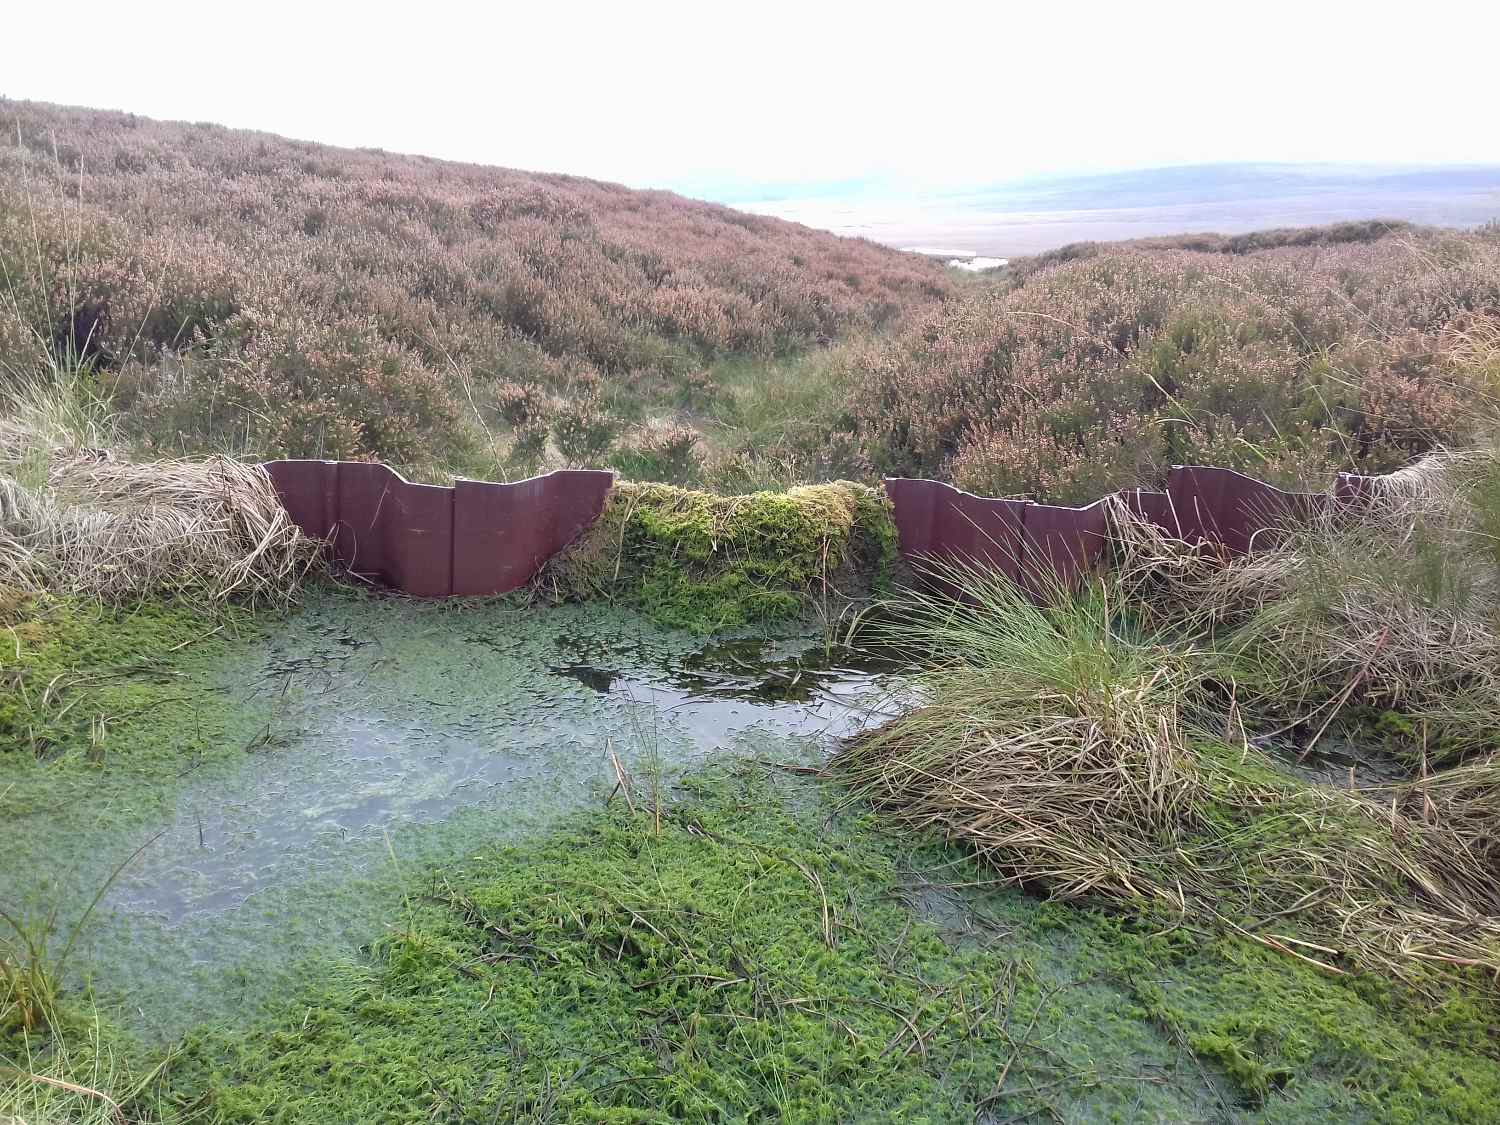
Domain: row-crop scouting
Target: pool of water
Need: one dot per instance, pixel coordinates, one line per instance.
(383, 735)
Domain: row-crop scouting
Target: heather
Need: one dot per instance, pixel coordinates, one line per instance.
(1096, 367)
(238, 292)
(234, 292)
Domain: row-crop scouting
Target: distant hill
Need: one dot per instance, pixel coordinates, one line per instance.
(1044, 213)
(284, 297)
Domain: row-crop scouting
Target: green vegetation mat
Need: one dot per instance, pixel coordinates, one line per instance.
(703, 562)
(70, 670)
(753, 955)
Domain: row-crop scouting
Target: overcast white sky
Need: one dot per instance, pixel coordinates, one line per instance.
(694, 95)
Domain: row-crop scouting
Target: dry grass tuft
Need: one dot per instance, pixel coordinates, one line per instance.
(1393, 605)
(1084, 749)
(1052, 744)
(114, 530)
(76, 520)
(1466, 799)
(77, 1080)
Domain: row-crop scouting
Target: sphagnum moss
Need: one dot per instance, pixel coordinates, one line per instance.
(756, 956)
(72, 669)
(703, 562)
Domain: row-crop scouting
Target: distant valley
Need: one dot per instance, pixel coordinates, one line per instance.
(1034, 215)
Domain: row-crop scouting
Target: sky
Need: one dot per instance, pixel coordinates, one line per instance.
(719, 99)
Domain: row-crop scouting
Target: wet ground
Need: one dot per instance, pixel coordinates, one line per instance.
(365, 740)
(383, 735)
(1337, 761)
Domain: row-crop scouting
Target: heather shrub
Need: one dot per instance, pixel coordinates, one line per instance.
(519, 404)
(749, 465)
(698, 390)
(361, 294)
(240, 292)
(1076, 469)
(294, 391)
(1099, 367)
(662, 451)
(528, 448)
(582, 430)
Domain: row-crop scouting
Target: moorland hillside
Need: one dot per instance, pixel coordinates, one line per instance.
(220, 290)
(239, 290)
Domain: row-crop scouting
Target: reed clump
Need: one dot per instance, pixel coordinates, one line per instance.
(1142, 740)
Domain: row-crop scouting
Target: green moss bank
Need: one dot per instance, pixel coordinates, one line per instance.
(703, 562)
(748, 953)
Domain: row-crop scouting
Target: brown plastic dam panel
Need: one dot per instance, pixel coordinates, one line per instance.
(1038, 545)
(1042, 545)
(1153, 507)
(503, 533)
(359, 535)
(418, 526)
(1063, 544)
(307, 492)
(1223, 507)
(477, 538)
(434, 541)
(1353, 488)
(937, 521)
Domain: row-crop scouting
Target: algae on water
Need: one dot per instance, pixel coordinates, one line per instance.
(285, 769)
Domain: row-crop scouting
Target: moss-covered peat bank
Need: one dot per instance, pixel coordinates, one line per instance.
(704, 562)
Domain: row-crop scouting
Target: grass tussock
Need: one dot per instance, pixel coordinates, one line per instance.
(1051, 742)
(75, 1080)
(701, 561)
(114, 530)
(75, 520)
(1141, 741)
(1391, 610)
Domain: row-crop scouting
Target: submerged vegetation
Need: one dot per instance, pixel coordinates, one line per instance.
(72, 668)
(747, 955)
(91, 711)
